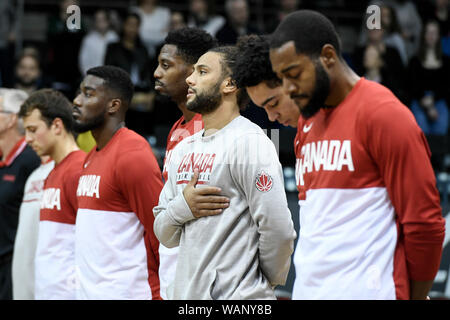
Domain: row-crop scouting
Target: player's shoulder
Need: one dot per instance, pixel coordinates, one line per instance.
(384, 111)
(72, 165)
(247, 133)
(131, 141)
(241, 126)
(374, 95)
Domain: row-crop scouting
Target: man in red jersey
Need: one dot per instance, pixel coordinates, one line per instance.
(371, 225)
(176, 61)
(116, 249)
(180, 52)
(47, 117)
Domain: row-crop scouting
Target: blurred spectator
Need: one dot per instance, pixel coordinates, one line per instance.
(410, 24)
(93, 46)
(384, 64)
(201, 16)
(429, 75)
(285, 7)
(28, 73)
(392, 32)
(131, 55)
(177, 21)
(375, 69)
(155, 23)
(237, 23)
(63, 50)
(440, 11)
(409, 21)
(17, 163)
(7, 35)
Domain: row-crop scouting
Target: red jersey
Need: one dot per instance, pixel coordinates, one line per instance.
(117, 251)
(55, 253)
(179, 131)
(370, 216)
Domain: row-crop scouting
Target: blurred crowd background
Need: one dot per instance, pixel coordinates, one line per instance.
(409, 54)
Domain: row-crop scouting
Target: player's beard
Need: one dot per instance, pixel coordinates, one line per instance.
(206, 102)
(91, 124)
(320, 94)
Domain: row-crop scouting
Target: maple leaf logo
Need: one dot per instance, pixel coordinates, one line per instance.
(263, 182)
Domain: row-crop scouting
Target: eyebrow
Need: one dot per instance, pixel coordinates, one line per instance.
(88, 88)
(201, 66)
(267, 101)
(289, 68)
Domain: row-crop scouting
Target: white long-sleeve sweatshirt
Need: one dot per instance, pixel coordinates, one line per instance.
(245, 251)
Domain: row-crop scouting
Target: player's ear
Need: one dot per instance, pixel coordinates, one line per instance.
(328, 56)
(114, 105)
(229, 85)
(57, 126)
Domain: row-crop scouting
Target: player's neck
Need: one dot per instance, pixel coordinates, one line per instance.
(103, 134)
(188, 115)
(344, 81)
(220, 117)
(63, 148)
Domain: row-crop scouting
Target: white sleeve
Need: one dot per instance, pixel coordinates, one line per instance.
(171, 213)
(258, 172)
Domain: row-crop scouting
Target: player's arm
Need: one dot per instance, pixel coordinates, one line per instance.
(141, 185)
(257, 170)
(171, 213)
(401, 151)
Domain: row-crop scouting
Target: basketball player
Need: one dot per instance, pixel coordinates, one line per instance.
(180, 52)
(116, 249)
(23, 265)
(370, 219)
(242, 251)
(254, 73)
(47, 117)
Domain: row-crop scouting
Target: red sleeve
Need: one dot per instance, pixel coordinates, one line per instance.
(71, 178)
(70, 192)
(401, 151)
(141, 184)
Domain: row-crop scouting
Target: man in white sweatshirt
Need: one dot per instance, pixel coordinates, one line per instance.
(242, 248)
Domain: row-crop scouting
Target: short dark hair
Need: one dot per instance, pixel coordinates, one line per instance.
(115, 79)
(191, 43)
(253, 63)
(52, 104)
(310, 31)
(228, 62)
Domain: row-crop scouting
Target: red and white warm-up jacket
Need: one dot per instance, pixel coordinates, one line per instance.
(370, 216)
(116, 248)
(55, 276)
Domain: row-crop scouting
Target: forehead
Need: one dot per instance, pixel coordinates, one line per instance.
(170, 52)
(261, 93)
(93, 82)
(210, 60)
(32, 118)
(286, 57)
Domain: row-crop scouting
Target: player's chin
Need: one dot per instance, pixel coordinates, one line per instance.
(160, 90)
(190, 97)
